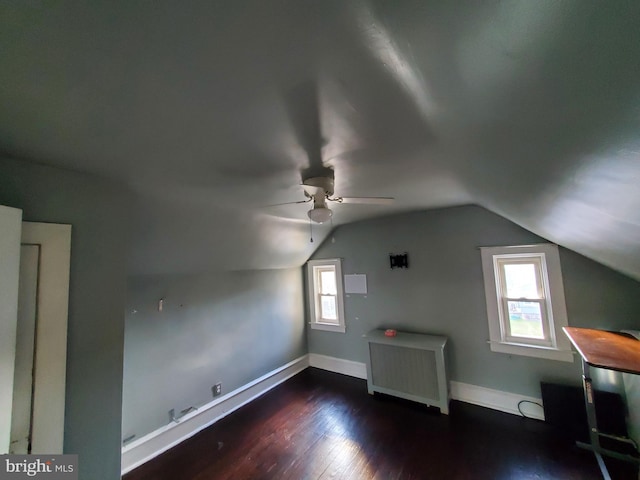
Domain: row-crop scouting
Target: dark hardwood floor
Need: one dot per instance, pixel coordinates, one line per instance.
(321, 425)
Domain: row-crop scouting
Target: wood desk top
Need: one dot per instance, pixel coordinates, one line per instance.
(604, 349)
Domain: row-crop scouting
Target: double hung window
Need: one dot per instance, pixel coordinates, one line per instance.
(525, 301)
(326, 295)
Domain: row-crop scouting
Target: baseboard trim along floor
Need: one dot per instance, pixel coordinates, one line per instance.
(153, 444)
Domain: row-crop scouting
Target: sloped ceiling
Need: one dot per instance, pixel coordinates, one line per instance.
(210, 112)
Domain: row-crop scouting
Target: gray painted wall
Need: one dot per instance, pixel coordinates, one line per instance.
(97, 211)
(442, 293)
(228, 327)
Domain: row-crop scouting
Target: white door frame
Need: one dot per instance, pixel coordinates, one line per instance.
(52, 305)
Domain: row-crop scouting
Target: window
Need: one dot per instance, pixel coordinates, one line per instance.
(525, 301)
(326, 295)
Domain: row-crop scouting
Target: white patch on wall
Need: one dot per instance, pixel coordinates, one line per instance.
(356, 283)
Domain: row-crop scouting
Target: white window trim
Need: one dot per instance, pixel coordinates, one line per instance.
(311, 295)
(560, 347)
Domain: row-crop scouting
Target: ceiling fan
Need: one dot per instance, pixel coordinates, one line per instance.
(320, 190)
(303, 108)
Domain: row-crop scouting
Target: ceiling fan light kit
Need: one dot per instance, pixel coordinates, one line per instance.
(320, 214)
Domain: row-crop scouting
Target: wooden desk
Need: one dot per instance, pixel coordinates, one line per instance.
(604, 349)
(612, 351)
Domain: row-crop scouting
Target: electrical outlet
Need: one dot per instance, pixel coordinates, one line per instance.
(172, 415)
(216, 389)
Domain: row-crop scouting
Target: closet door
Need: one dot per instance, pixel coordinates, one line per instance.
(10, 234)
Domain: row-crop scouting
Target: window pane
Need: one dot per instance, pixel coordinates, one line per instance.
(525, 319)
(328, 282)
(328, 309)
(521, 280)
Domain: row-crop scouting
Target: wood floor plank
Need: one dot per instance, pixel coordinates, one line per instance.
(320, 425)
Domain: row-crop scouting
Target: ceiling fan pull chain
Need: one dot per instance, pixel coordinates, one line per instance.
(310, 231)
(333, 237)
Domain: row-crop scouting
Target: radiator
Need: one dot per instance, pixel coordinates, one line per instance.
(410, 366)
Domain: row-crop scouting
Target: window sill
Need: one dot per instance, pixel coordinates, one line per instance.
(327, 327)
(532, 351)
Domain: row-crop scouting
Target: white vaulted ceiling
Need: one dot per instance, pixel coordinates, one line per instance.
(210, 111)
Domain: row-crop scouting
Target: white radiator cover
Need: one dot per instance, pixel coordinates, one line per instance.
(410, 366)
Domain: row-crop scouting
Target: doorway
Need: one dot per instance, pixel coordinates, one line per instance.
(36, 383)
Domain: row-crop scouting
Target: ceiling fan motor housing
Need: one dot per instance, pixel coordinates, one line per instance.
(314, 185)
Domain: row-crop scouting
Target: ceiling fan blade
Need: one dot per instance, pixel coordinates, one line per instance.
(288, 203)
(366, 200)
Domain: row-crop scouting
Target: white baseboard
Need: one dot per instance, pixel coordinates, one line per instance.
(496, 399)
(153, 444)
(338, 365)
(485, 397)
